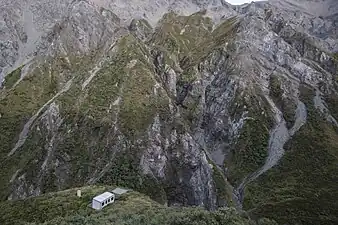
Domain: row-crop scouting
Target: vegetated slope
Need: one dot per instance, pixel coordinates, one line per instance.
(132, 208)
(113, 111)
(303, 186)
(300, 189)
(193, 111)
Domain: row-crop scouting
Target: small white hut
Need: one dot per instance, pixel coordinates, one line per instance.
(102, 200)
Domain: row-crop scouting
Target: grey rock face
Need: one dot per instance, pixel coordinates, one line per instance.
(23, 23)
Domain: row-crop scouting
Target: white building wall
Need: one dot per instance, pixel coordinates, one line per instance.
(96, 205)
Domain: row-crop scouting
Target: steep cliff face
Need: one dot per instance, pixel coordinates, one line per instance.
(204, 106)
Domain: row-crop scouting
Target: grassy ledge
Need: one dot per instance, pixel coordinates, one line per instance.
(132, 208)
(12, 78)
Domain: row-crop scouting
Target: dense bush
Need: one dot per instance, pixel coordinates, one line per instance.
(301, 189)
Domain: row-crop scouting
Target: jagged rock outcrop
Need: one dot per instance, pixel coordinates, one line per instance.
(194, 102)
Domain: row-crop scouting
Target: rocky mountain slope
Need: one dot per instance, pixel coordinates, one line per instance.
(192, 102)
